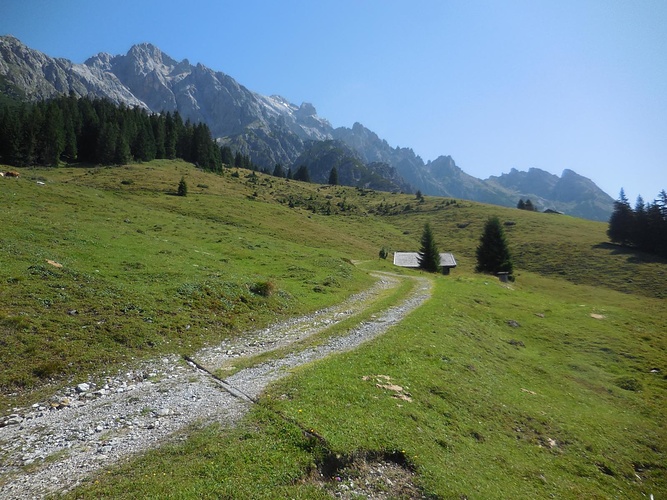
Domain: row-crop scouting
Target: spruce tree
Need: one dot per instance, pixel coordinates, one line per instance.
(493, 255)
(333, 177)
(278, 170)
(429, 256)
(302, 174)
(182, 187)
(227, 156)
(621, 221)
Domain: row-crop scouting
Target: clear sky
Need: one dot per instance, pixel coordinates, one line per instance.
(578, 84)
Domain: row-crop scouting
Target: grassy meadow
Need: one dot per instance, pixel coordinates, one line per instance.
(551, 386)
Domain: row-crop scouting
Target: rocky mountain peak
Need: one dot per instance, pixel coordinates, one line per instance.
(272, 130)
(305, 110)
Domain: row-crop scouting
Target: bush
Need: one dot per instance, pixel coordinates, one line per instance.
(263, 288)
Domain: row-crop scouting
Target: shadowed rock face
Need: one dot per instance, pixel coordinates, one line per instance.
(272, 130)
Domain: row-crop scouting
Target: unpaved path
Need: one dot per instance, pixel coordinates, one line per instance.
(53, 445)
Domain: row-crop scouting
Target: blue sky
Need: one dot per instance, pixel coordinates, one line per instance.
(495, 84)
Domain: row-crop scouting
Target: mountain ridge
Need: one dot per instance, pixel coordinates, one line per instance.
(271, 130)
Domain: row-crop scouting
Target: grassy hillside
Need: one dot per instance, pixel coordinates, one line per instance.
(144, 271)
(105, 265)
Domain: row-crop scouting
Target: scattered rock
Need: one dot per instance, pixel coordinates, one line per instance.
(513, 323)
(13, 419)
(84, 387)
(163, 412)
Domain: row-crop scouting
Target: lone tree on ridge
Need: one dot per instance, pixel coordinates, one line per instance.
(182, 187)
(493, 256)
(333, 177)
(429, 256)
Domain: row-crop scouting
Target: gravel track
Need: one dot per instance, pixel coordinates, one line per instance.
(52, 446)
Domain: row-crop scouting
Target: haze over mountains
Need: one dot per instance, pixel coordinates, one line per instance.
(271, 130)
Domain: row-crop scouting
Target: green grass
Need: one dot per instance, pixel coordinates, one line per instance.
(535, 411)
(563, 405)
(144, 272)
(383, 301)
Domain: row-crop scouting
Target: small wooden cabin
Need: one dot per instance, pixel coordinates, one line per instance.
(411, 259)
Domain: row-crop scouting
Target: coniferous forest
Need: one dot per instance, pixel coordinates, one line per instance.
(81, 130)
(643, 227)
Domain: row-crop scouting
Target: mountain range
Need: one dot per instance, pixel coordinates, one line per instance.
(271, 130)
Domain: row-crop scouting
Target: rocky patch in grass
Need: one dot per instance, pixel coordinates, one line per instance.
(377, 475)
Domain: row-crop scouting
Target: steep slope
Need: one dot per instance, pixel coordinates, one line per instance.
(40, 76)
(321, 156)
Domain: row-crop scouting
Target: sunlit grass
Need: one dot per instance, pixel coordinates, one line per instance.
(531, 409)
(542, 388)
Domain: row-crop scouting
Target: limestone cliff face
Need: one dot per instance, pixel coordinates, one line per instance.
(148, 78)
(41, 76)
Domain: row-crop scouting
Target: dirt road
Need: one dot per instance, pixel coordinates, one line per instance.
(53, 445)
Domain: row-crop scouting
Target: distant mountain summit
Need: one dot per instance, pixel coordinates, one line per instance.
(271, 130)
(570, 193)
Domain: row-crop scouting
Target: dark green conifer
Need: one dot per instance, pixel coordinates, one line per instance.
(493, 255)
(429, 256)
(333, 177)
(182, 187)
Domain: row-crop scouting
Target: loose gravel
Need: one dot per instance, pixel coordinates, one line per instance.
(53, 445)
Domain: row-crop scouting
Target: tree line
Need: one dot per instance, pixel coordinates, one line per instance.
(71, 129)
(643, 227)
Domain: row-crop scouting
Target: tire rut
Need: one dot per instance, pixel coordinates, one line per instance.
(53, 446)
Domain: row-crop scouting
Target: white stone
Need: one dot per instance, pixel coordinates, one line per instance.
(84, 387)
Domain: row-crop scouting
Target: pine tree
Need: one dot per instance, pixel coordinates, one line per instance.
(621, 221)
(521, 205)
(227, 156)
(238, 160)
(302, 174)
(493, 255)
(429, 256)
(640, 232)
(333, 177)
(529, 206)
(182, 187)
(51, 137)
(170, 137)
(278, 170)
